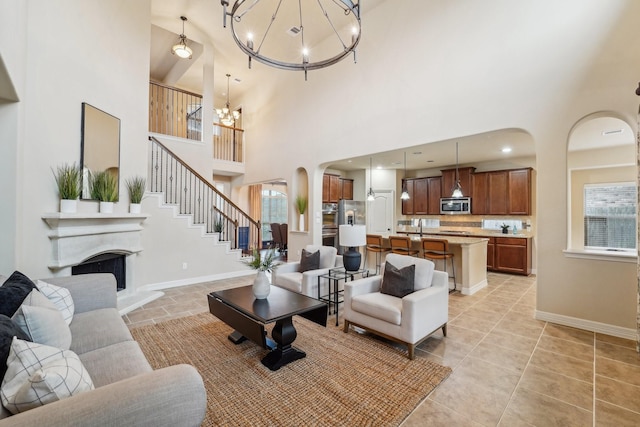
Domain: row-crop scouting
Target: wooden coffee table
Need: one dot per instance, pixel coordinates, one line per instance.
(239, 309)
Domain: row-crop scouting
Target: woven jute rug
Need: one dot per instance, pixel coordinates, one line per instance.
(345, 380)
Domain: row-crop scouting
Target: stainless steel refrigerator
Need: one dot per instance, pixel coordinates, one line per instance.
(350, 212)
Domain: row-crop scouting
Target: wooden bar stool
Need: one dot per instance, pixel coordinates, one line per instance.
(435, 249)
(374, 244)
(402, 245)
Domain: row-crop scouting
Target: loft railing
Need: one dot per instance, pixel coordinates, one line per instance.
(195, 196)
(178, 113)
(228, 143)
(175, 112)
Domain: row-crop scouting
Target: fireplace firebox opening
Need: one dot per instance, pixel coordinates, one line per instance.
(105, 263)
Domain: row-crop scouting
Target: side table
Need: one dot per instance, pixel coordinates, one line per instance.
(335, 295)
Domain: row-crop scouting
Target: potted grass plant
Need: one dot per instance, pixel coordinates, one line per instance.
(136, 187)
(263, 263)
(104, 187)
(69, 181)
(301, 206)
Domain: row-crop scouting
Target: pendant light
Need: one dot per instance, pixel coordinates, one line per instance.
(457, 189)
(226, 116)
(371, 196)
(181, 49)
(405, 193)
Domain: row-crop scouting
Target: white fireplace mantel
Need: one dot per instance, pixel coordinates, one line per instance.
(80, 236)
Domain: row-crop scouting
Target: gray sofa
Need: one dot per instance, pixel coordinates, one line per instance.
(128, 392)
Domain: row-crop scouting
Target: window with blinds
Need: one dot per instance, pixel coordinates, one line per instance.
(610, 216)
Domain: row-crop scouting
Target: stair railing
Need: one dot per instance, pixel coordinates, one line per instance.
(195, 196)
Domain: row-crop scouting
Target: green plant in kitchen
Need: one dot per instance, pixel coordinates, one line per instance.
(301, 204)
(136, 187)
(69, 180)
(104, 187)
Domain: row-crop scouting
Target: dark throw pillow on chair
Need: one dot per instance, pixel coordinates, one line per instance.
(14, 290)
(398, 283)
(309, 261)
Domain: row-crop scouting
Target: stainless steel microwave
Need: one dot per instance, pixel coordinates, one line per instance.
(452, 205)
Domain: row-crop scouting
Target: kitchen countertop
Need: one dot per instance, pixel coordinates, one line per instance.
(461, 232)
(463, 240)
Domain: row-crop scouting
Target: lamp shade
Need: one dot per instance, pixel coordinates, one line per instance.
(353, 235)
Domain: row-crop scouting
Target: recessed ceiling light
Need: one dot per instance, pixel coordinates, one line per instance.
(506, 150)
(349, 161)
(378, 167)
(612, 132)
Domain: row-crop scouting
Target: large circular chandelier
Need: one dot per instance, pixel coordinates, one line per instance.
(294, 34)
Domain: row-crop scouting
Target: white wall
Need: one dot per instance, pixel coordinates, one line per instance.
(53, 82)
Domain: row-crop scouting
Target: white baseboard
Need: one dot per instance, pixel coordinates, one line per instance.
(195, 280)
(475, 288)
(589, 325)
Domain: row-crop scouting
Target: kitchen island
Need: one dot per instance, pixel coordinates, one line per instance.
(470, 259)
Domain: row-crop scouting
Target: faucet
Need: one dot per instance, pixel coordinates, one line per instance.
(420, 223)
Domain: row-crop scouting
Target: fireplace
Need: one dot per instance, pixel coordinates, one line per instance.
(114, 263)
(95, 242)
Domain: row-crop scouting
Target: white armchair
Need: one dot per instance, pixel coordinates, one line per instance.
(407, 320)
(288, 276)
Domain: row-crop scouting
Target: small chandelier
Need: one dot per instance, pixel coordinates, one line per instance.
(457, 189)
(227, 117)
(371, 196)
(405, 193)
(334, 23)
(181, 49)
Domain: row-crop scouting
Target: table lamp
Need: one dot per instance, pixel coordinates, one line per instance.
(352, 236)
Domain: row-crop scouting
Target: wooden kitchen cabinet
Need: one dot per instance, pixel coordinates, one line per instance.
(506, 192)
(424, 196)
(335, 188)
(498, 182)
(511, 255)
(491, 247)
(435, 193)
(407, 205)
(449, 180)
(520, 192)
(480, 193)
(420, 196)
(347, 188)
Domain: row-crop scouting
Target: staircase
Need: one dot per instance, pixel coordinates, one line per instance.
(195, 197)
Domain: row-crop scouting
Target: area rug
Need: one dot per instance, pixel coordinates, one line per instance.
(345, 380)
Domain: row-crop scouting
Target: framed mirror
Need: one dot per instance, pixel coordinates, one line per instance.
(100, 145)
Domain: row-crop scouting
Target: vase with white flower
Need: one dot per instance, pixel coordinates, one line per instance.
(263, 263)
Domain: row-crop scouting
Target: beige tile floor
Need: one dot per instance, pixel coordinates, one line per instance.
(508, 368)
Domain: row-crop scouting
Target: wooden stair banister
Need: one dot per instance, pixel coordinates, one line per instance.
(194, 195)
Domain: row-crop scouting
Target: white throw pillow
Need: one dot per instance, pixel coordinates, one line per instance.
(43, 325)
(37, 299)
(60, 297)
(38, 374)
